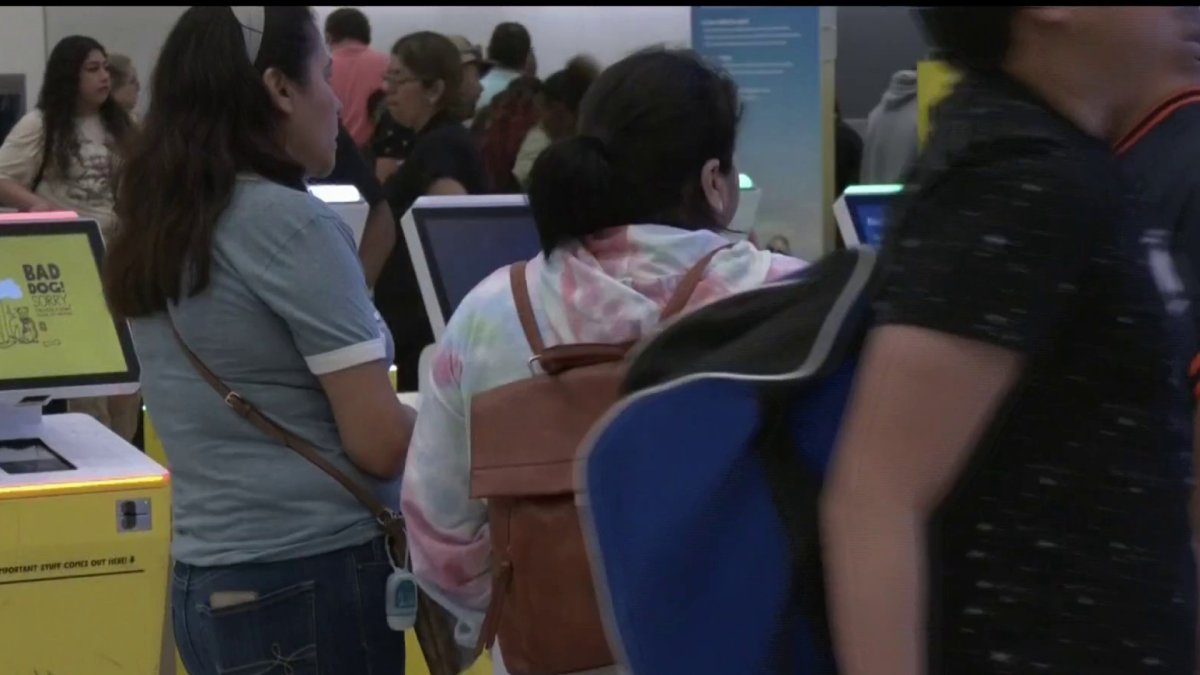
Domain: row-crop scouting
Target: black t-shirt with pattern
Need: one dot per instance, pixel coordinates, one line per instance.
(1065, 546)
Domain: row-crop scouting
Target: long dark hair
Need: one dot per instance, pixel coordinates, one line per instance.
(646, 127)
(210, 117)
(59, 100)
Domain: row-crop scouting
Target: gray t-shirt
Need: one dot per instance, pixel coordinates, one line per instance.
(286, 302)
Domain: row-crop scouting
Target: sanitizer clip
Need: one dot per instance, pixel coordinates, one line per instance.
(401, 602)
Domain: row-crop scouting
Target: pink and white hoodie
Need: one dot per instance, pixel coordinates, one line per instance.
(609, 289)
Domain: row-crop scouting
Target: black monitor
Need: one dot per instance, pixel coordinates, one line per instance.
(456, 242)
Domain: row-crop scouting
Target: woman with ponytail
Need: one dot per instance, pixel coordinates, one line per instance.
(624, 209)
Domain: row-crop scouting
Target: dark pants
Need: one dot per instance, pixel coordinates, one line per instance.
(318, 615)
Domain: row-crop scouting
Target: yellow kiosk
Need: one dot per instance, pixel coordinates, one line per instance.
(84, 516)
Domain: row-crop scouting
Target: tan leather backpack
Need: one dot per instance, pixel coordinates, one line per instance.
(524, 440)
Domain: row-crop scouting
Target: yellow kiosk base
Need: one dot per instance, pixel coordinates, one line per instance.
(83, 555)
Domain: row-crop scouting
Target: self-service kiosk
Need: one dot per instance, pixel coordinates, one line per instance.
(84, 516)
(456, 242)
(347, 202)
(862, 211)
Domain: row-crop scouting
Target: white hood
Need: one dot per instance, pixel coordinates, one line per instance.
(613, 288)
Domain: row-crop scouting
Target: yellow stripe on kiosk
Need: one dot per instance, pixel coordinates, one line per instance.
(84, 516)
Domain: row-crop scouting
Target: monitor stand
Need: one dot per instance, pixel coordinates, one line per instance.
(49, 449)
(20, 421)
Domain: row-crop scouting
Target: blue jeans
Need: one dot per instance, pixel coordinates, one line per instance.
(322, 615)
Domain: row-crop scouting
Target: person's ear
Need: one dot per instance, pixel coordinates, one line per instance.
(434, 91)
(715, 187)
(281, 90)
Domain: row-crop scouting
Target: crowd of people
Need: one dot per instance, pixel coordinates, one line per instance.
(1010, 490)
(438, 118)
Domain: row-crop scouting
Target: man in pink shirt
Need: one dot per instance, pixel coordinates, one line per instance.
(357, 69)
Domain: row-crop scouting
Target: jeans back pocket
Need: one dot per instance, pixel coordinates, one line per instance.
(273, 634)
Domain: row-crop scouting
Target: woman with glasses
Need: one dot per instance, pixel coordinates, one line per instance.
(424, 94)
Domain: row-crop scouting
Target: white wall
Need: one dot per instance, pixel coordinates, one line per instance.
(876, 40)
(23, 47)
(607, 33)
(137, 32)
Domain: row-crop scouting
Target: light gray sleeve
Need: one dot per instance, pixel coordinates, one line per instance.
(21, 154)
(314, 282)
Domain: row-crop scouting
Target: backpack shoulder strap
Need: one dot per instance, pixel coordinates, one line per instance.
(520, 291)
(687, 285)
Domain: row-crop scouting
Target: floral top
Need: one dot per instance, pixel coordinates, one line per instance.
(609, 289)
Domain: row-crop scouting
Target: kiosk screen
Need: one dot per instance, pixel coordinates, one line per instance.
(862, 213)
(868, 220)
(464, 245)
(54, 322)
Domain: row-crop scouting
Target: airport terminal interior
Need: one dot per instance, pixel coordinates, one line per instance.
(518, 340)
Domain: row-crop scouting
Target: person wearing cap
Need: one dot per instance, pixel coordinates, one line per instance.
(357, 70)
(473, 70)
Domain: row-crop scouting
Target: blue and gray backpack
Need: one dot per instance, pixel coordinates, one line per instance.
(699, 491)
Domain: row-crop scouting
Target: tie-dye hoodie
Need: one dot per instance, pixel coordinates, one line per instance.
(609, 289)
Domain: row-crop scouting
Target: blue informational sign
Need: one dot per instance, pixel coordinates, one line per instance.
(775, 56)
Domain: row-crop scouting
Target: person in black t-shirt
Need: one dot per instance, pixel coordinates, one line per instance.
(424, 91)
(1010, 491)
